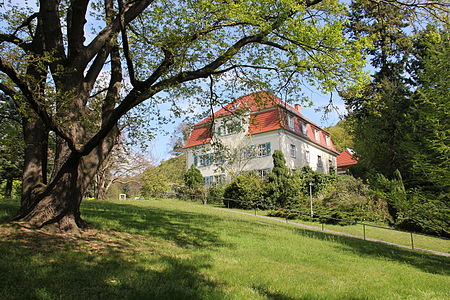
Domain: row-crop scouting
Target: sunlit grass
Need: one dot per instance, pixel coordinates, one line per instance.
(393, 236)
(168, 249)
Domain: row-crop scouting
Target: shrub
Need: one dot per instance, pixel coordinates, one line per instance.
(245, 190)
(215, 194)
(349, 198)
(193, 177)
(282, 187)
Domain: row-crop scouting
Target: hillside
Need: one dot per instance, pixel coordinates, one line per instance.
(168, 249)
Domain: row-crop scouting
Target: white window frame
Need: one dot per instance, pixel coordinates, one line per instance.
(291, 122)
(316, 134)
(307, 156)
(293, 150)
(304, 129)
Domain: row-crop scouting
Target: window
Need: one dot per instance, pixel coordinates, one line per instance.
(316, 135)
(290, 120)
(214, 180)
(304, 129)
(263, 150)
(229, 128)
(319, 162)
(293, 151)
(207, 159)
(327, 140)
(263, 172)
(258, 150)
(307, 156)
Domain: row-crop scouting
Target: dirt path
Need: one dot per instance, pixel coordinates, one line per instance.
(337, 232)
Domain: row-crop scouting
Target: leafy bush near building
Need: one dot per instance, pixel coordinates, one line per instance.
(348, 198)
(245, 189)
(193, 177)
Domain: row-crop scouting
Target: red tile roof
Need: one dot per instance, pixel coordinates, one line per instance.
(346, 159)
(267, 113)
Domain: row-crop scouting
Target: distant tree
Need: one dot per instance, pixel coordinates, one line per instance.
(11, 147)
(342, 135)
(180, 137)
(154, 183)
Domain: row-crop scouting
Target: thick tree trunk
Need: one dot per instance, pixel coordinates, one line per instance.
(34, 174)
(57, 207)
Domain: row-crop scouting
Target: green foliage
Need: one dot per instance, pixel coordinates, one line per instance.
(283, 188)
(215, 194)
(172, 167)
(342, 135)
(349, 198)
(402, 121)
(155, 183)
(246, 189)
(193, 178)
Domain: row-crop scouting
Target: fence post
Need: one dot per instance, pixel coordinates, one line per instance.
(322, 226)
(364, 230)
(412, 241)
(228, 203)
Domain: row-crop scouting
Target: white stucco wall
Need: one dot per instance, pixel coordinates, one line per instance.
(279, 140)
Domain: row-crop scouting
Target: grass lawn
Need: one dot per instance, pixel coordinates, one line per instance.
(397, 237)
(168, 249)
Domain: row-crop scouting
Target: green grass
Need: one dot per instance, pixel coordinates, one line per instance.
(393, 236)
(169, 249)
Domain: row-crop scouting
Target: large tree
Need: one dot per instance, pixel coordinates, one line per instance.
(52, 57)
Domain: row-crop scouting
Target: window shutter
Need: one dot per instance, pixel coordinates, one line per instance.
(268, 150)
(195, 160)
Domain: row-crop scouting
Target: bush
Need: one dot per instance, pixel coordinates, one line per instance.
(215, 194)
(350, 199)
(193, 177)
(245, 190)
(282, 187)
(425, 212)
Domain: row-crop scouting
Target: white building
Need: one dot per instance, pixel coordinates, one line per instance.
(242, 136)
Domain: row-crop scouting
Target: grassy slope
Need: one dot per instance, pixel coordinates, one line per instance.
(393, 236)
(175, 250)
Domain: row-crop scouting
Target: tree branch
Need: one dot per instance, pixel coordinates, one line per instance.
(75, 27)
(51, 28)
(129, 13)
(6, 68)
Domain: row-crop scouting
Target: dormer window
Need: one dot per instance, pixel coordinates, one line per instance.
(228, 128)
(316, 135)
(235, 106)
(327, 140)
(304, 129)
(290, 120)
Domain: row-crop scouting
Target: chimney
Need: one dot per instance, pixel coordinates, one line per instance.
(298, 107)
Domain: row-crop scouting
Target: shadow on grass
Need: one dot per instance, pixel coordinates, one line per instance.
(38, 266)
(185, 229)
(426, 262)
(110, 263)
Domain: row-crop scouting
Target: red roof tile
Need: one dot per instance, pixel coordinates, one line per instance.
(263, 119)
(200, 135)
(346, 159)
